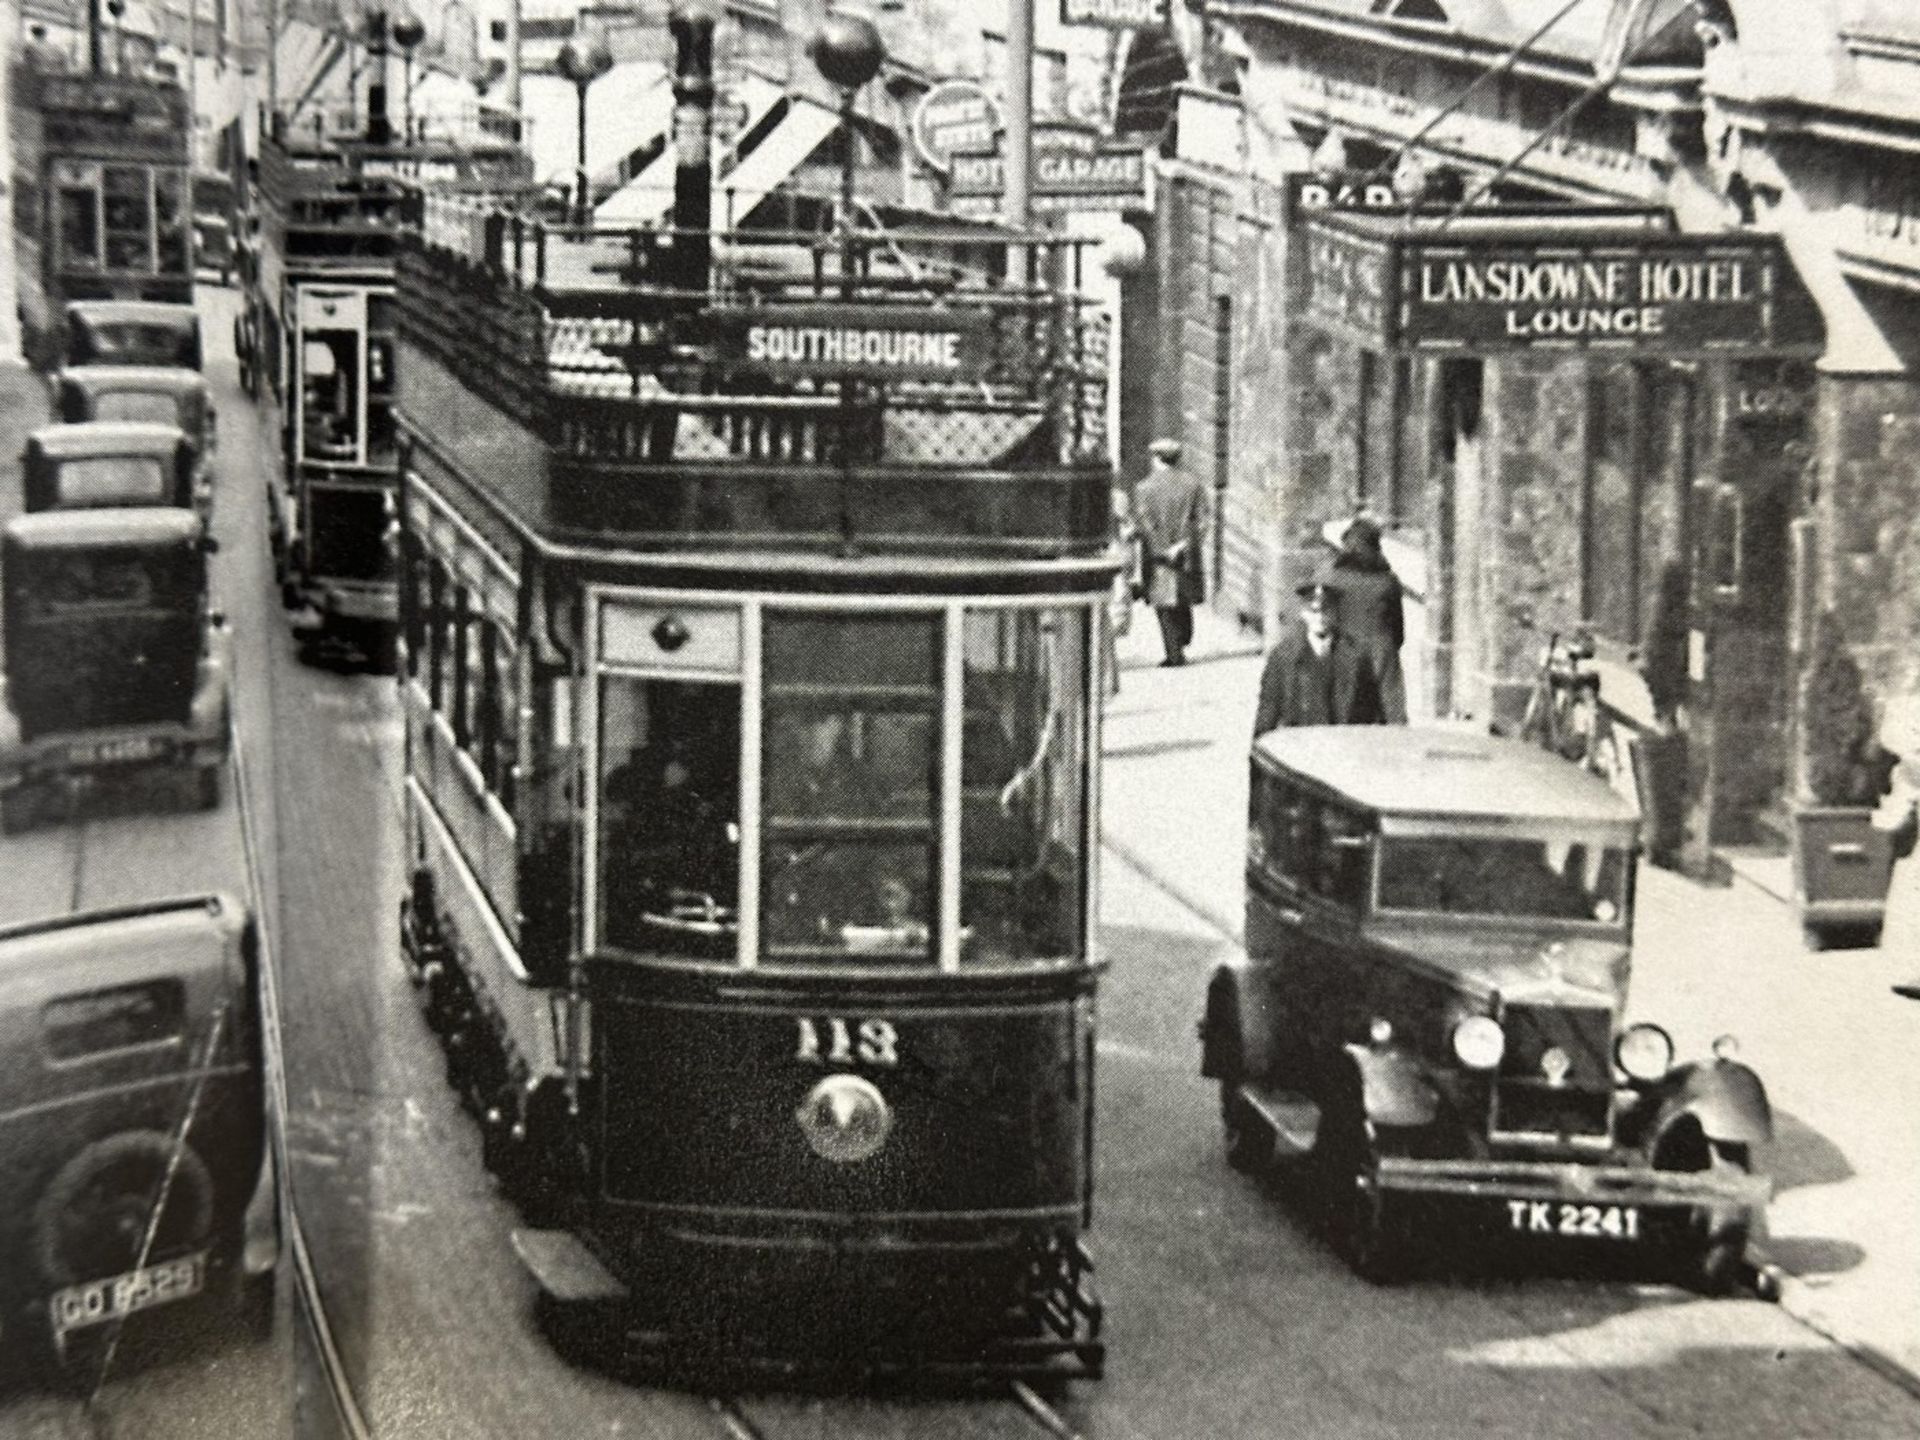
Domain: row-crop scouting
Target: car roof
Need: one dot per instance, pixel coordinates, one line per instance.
(134, 377)
(144, 312)
(107, 437)
(86, 529)
(64, 954)
(1441, 770)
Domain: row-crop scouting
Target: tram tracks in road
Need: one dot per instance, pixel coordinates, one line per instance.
(731, 1414)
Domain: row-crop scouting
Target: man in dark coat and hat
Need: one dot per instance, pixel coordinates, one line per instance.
(1317, 675)
(1170, 512)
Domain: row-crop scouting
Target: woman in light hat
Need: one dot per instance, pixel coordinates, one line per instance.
(1170, 509)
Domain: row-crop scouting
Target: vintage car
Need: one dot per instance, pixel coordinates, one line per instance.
(132, 332)
(150, 394)
(133, 1070)
(114, 662)
(1429, 1012)
(106, 463)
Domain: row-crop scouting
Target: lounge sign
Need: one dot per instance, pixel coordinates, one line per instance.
(1661, 292)
(854, 341)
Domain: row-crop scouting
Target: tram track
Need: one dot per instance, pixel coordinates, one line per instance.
(731, 1414)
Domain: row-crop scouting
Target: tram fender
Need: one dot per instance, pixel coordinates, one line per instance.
(1236, 1032)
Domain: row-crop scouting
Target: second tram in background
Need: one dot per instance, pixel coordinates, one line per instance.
(317, 336)
(751, 616)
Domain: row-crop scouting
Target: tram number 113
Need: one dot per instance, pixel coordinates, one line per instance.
(834, 1040)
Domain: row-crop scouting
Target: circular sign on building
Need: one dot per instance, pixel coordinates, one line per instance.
(954, 116)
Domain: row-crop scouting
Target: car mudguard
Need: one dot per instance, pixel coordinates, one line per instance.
(208, 717)
(1394, 1086)
(1724, 1096)
(1236, 1033)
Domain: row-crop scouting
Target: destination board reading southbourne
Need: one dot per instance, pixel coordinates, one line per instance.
(854, 340)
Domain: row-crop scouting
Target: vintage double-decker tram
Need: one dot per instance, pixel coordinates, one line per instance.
(102, 208)
(751, 650)
(318, 338)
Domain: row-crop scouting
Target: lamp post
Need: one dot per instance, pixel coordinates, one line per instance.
(583, 60)
(847, 51)
(407, 34)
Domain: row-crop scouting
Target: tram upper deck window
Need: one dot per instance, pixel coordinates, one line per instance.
(128, 206)
(1023, 783)
(669, 815)
(851, 752)
(330, 396)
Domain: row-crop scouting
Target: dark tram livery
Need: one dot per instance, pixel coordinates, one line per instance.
(318, 337)
(750, 610)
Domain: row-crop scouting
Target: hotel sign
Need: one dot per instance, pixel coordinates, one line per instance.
(1499, 290)
(848, 341)
(1073, 169)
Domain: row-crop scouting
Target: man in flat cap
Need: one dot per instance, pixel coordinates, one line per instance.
(1170, 510)
(1318, 675)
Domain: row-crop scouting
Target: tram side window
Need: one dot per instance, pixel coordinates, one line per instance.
(170, 220)
(1023, 780)
(382, 435)
(848, 777)
(457, 680)
(439, 611)
(669, 815)
(78, 219)
(414, 599)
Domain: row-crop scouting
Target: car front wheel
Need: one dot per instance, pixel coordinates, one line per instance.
(1359, 1221)
(1249, 1143)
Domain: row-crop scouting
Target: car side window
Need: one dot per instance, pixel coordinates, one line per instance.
(1344, 868)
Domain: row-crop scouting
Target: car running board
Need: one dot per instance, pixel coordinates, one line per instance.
(565, 1268)
(1293, 1118)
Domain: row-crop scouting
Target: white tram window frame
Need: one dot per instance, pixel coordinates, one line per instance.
(1074, 610)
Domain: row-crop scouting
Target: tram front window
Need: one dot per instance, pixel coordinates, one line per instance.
(1023, 776)
(330, 396)
(669, 815)
(851, 751)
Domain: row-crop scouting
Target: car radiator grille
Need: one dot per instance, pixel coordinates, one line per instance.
(1528, 1102)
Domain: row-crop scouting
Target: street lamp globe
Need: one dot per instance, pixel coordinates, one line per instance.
(847, 50)
(407, 33)
(583, 60)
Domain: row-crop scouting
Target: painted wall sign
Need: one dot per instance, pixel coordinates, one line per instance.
(1505, 289)
(953, 116)
(1115, 14)
(854, 340)
(1348, 190)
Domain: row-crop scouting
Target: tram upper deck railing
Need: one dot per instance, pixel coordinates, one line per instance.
(923, 390)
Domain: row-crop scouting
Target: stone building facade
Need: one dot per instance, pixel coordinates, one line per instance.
(1697, 506)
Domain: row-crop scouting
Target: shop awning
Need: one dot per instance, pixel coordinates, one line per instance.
(1554, 279)
(766, 167)
(648, 196)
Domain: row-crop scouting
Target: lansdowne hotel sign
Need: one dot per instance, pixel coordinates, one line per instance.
(1524, 282)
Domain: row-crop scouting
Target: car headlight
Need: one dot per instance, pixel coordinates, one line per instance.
(1645, 1052)
(1479, 1042)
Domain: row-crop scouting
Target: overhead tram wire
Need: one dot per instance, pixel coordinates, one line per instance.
(1473, 87)
(1599, 87)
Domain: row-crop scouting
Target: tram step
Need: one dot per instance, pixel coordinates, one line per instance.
(564, 1268)
(1294, 1118)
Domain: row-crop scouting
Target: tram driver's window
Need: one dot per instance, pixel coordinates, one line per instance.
(669, 815)
(330, 395)
(848, 778)
(1023, 783)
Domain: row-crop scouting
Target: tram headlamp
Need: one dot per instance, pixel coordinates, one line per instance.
(1479, 1042)
(1644, 1052)
(845, 1118)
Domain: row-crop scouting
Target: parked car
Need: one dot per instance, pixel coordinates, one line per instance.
(134, 1169)
(146, 394)
(1429, 1012)
(132, 332)
(114, 662)
(107, 463)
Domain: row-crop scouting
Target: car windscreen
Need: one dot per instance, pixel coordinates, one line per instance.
(1504, 877)
(146, 405)
(113, 480)
(132, 342)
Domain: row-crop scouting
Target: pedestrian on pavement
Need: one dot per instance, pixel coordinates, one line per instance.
(1899, 814)
(1318, 675)
(1170, 509)
(1370, 602)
